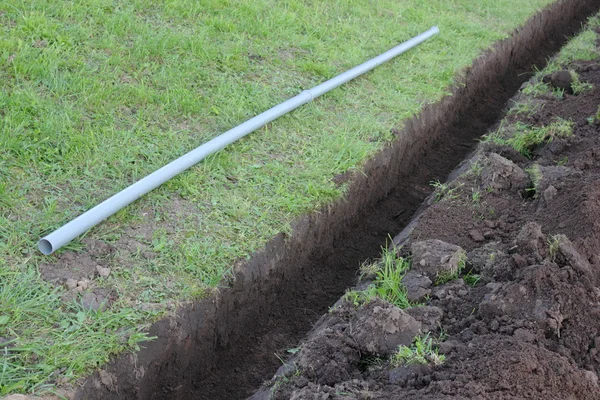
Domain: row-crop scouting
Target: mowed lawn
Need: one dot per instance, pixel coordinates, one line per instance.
(97, 94)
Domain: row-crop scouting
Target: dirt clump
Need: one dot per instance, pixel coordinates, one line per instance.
(434, 258)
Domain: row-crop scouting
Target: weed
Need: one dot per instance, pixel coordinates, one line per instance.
(536, 89)
(475, 197)
(368, 269)
(388, 283)
(359, 297)
(578, 86)
(562, 161)
(421, 351)
(535, 174)
(472, 279)
(553, 243)
(526, 108)
(451, 275)
(444, 191)
(476, 168)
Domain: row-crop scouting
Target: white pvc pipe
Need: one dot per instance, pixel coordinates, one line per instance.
(91, 218)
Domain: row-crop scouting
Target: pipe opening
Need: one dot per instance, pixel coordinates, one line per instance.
(45, 247)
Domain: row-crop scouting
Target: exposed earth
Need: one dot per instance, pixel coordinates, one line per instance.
(523, 318)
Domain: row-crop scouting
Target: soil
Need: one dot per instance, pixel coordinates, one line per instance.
(226, 346)
(530, 327)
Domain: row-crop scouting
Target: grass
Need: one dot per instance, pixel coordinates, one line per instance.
(421, 351)
(535, 174)
(444, 191)
(96, 95)
(64, 338)
(387, 284)
(450, 275)
(471, 279)
(581, 48)
(525, 138)
(553, 245)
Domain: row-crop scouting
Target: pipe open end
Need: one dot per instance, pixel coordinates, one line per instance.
(45, 247)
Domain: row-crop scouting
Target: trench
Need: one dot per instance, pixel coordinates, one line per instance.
(225, 346)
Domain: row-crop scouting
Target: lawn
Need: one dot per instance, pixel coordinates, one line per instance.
(97, 94)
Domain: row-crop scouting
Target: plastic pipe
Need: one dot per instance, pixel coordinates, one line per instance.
(63, 235)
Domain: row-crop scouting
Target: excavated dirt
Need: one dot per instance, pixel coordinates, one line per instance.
(530, 327)
(224, 347)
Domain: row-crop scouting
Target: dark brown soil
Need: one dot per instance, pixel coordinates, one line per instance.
(225, 347)
(530, 328)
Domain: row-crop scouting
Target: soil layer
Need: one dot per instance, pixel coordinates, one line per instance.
(225, 346)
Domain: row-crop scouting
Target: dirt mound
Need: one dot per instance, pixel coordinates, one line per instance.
(528, 326)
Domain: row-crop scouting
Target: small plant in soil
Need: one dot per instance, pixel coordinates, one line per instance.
(475, 197)
(526, 138)
(451, 275)
(536, 89)
(553, 247)
(562, 161)
(472, 279)
(388, 282)
(421, 351)
(526, 108)
(578, 86)
(535, 174)
(444, 191)
(359, 297)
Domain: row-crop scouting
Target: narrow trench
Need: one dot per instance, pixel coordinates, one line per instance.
(224, 347)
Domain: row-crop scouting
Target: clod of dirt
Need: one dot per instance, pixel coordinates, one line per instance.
(381, 327)
(401, 375)
(500, 173)
(71, 283)
(433, 257)
(476, 235)
(103, 272)
(334, 351)
(491, 262)
(451, 290)
(549, 194)
(531, 241)
(560, 80)
(568, 254)
(555, 175)
(92, 301)
(428, 316)
(418, 286)
(109, 380)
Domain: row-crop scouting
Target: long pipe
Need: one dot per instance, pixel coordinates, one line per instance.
(91, 218)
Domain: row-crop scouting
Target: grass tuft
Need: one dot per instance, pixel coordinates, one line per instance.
(527, 138)
(421, 351)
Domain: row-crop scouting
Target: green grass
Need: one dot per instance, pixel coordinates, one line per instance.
(63, 339)
(387, 284)
(526, 138)
(444, 191)
(96, 95)
(581, 48)
(421, 351)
